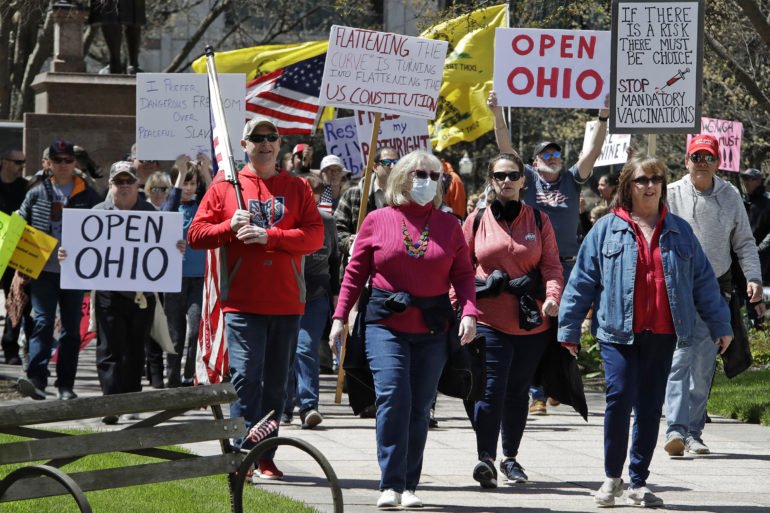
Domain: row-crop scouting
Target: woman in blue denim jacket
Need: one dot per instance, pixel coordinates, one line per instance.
(645, 274)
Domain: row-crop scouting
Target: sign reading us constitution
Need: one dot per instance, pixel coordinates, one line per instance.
(121, 250)
(383, 72)
(657, 66)
(172, 114)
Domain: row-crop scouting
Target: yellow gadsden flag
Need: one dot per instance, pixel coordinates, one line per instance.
(462, 113)
(258, 60)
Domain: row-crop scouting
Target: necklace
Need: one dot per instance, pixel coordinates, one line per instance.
(415, 249)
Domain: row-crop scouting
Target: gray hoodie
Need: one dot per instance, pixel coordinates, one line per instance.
(720, 223)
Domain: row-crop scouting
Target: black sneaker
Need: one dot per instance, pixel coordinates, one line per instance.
(484, 472)
(513, 471)
(29, 389)
(310, 418)
(65, 394)
(286, 419)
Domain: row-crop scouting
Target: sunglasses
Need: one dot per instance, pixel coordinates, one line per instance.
(645, 181)
(260, 138)
(158, 189)
(500, 176)
(124, 181)
(696, 157)
(18, 162)
(422, 175)
(388, 162)
(59, 160)
(550, 154)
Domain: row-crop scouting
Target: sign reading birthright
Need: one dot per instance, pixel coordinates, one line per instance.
(657, 66)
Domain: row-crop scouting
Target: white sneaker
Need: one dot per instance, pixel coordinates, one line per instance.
(611, 487)
(643, 497)
(674, 446)
(410, 500)
(696, 446)
(389, 499)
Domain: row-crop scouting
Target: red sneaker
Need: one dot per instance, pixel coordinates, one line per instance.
(268, 470)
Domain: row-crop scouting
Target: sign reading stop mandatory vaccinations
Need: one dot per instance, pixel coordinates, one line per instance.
(551, 68)
(729, 134)
(172, 114)
(383, 72)
(402, 133)
(121, 250)
(341, 139)
(657, 66)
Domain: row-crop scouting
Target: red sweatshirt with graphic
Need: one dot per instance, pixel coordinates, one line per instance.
(260, 278)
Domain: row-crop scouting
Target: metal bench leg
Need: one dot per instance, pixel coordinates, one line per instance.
(52, 472)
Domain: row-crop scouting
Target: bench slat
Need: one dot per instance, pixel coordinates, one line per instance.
(67, 446)
(42, 412)
(127, 476)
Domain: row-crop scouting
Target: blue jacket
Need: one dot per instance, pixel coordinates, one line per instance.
(604, 277)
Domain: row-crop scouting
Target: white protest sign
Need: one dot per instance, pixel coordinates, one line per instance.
(121, 250)
(172, 114)
(613, 149)
(402, 133)
(342, 140)
(552, 68)
(729, 134)
(657, 66)
(383, 72)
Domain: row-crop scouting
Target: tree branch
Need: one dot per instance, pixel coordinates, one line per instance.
(185, 51)
(751, 10)
(43, 50)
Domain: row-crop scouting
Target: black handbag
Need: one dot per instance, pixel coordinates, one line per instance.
(464, 375)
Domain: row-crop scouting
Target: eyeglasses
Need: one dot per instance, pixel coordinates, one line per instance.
(156, 190)
(645, 181)
(260, 138)
(550, 154)
(388, 162)
(422, 175)
(697, 157)
(59, 160)
(500, 176)
(124, 181)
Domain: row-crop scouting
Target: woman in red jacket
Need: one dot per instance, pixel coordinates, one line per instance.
(517, 263)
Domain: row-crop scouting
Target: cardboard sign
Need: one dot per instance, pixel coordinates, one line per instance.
(613, 149)
(33, 251)
(657, 66)
(402, 133)
(729, 134)
(342, 140)
(552, 68)
(11, 230)
(383, 72)
(172, 114)
(121, 250)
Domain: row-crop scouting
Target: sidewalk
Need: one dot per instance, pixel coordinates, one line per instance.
(561, 454)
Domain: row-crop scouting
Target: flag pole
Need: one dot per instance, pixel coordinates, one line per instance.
(220, 122)
(361, 216)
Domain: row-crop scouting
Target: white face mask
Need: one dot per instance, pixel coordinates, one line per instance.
(423, 190)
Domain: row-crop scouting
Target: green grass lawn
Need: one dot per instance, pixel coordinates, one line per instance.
(201, 495)
(745, 397)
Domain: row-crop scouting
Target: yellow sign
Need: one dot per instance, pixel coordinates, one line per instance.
(32, 252)
(11, 229)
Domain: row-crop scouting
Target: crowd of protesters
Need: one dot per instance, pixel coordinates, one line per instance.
(523, 264)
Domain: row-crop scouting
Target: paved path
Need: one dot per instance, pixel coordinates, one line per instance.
(561, 453)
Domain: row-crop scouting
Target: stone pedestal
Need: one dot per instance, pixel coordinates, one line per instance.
(84, 93)
(69, 19)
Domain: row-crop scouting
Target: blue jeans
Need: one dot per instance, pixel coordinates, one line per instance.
(303, 379)
(406, 369)
(183, 313)
(45, 294)
(511, 364)
(636, 380)
(689, 383)
(260, 350)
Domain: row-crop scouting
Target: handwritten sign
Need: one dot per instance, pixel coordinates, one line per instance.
(729, 134)
(33, 251)
(172, 114)
(121, 250)
(11, 230)
(657, 66)
(383, 72)
(552, 68)
(402, 133)
(613, 149)
(342, 140)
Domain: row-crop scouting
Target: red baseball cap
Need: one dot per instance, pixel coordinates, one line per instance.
(299, 148)
(703, 142)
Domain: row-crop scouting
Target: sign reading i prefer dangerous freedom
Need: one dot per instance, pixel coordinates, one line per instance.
(383, 72)
(121, 250)
(657, 66)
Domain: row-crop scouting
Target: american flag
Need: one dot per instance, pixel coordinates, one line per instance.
(211, 363)
(288, 96)
(326, 203)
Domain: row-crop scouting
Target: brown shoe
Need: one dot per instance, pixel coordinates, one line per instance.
(538, 408)
(553, 402)
(674, 446)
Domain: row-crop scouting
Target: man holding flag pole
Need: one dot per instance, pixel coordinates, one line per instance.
(262, 232)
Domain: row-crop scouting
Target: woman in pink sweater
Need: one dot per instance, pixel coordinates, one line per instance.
(411, 252)
(519, 283)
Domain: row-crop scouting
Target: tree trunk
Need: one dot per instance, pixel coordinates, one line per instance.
(42, 52)
(5, 62)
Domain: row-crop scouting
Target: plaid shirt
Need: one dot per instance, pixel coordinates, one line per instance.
(346, 216)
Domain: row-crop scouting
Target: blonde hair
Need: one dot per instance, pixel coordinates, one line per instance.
(158, 179)
(400, 183)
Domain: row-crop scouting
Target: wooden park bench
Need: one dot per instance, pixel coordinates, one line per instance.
(145, 438)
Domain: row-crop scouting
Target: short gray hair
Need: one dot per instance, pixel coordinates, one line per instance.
(400, 183)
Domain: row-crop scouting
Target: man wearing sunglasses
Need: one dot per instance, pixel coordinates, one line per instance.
(716, 213)
(262, 286)
(42, 209)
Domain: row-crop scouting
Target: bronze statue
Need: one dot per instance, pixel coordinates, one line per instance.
(112, 15)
